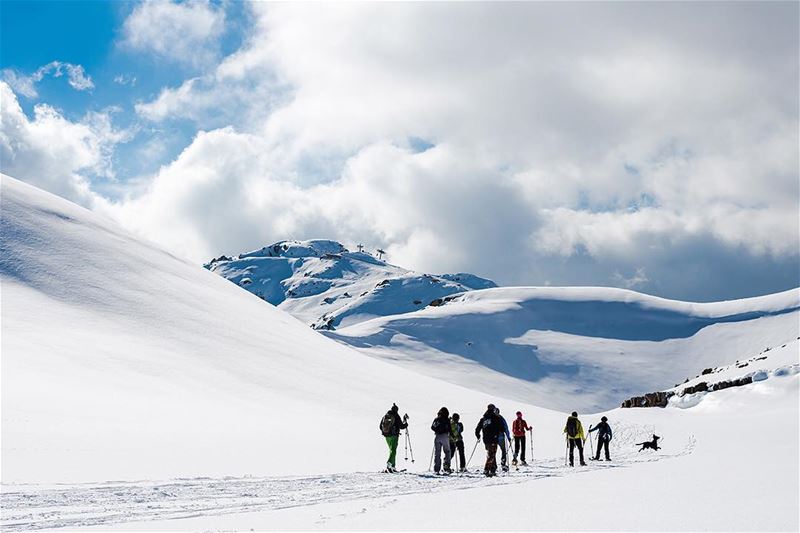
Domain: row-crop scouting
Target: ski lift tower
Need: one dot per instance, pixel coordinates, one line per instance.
(380, 253)
(360, 248)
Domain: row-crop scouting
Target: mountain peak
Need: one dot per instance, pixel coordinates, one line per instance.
(324, 284)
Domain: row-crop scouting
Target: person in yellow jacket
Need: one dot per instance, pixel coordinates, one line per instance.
(575, 438)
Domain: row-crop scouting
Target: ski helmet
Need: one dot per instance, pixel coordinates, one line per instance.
(604, 419)
(574, 413)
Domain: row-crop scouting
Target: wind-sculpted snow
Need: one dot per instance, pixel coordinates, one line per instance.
(564, 348)
(325, 285)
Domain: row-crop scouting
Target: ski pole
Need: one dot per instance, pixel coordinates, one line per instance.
(531, 432)
(433, 451)
(591, 444)
(408, 440)
(473, 453)
(566, 450)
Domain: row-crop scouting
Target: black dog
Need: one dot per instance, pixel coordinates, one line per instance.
(652, 445)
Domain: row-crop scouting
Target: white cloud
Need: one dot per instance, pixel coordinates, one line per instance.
(54, 153)
(185, 32)
(125, 79)
(572, 142)
(26, 85)
(637, 280)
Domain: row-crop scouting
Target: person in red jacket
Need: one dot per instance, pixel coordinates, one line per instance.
(518, 428)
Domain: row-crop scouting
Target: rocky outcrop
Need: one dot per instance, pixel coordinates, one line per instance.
(653, 399)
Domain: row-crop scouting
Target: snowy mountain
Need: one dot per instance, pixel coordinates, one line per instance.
(574, 348)
(325, 285)
(142, 392)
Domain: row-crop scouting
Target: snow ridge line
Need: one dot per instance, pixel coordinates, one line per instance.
(28, 507)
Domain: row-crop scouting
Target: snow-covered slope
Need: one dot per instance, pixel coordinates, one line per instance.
(325, 285)
(575, 348)
(120, 361)
(126, 366)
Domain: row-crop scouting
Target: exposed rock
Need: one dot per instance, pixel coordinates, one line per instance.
(652, 399)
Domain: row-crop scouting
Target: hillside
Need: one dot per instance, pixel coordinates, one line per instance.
(575, 348)
(141, 392)
(121, 361)
(327, 286)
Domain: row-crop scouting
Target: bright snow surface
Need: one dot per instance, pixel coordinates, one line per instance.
(325, 285)
(153, 379)
(571, 348)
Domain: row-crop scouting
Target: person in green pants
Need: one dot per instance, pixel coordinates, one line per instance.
(390, 427)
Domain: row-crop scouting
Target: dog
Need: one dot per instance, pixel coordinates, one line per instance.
(649, 445)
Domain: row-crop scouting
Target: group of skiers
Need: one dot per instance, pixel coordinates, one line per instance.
(493, 429)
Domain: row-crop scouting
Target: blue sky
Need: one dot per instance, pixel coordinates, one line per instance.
(539, 143)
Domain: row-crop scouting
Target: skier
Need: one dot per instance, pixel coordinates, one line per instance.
(457, 441)
(518, 428)
(504, 441)
(604, 436)
(491, 426)
(390, 427)
(575, 437)
(441, 442)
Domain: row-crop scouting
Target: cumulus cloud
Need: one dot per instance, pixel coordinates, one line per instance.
(184, 32)
(567, 143)
(54, 153)
(26, 85)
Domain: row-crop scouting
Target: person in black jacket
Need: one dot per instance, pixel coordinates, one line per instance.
(603, 438)
(491, 426)
(457, 441)
(441, 442)
(390, 427)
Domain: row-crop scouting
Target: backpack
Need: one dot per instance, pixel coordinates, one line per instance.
(441, 425)
(491, 427)
(387, 424)
(572, 427)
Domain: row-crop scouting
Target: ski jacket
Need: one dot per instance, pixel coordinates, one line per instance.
(519, 427)
(604, 431)
(396, 426)
(505, 430)
(456, 429)
(441, 425)
(574, 426)
(491, 426)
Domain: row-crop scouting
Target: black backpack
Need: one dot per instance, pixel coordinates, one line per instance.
(387, 424)
(572, 426)
(440, 425)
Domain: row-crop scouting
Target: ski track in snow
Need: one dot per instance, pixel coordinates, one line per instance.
(31, 507)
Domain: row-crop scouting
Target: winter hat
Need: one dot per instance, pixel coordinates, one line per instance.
(497, 410)
(444, 412)
(604, 419)
(456, 416)
(519, 414)
(574, 413)
(490, 407)
(394, 407)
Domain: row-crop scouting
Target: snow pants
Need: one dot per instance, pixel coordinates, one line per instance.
(602, 443)
(491, 458)
(503, 445)
(573, 443)
(391, 441)
(458, 446)
(519, 443)
(441, 444)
